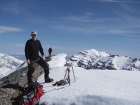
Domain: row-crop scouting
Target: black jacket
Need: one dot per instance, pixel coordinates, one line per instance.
(32, 49)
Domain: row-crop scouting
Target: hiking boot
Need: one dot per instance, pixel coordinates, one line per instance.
(47, 80)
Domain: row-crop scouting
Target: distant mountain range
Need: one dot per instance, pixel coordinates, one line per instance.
(9, 61)
(93, 59)
(19, 56)
(89, 59)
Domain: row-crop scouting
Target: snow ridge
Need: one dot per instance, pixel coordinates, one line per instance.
(9, 61)
(93, 59)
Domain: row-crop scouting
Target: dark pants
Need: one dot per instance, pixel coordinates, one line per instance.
(50, 53)
(31, 68)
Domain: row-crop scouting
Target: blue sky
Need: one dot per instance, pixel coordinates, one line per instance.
(71, 26)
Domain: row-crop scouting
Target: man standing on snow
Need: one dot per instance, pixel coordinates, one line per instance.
(32, 49)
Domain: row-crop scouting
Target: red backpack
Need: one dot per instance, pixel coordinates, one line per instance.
(31, 94)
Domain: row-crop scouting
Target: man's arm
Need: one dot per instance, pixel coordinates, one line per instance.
(26, 52)
(41, 51)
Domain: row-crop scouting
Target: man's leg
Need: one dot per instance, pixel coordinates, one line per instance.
(45, 65)
(49, 53)
(30, 73)
(31, 68)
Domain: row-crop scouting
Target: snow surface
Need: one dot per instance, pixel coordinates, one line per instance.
(92, 87)
(4, 71)
(58, 61)
(8, 64)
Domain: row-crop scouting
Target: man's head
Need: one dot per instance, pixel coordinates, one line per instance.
(34, 35)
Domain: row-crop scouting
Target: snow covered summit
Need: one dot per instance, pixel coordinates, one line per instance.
(9, 61)
(93, 59)
(92, 87)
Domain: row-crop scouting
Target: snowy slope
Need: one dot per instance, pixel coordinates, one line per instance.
(8, 64)
(9, 61)
(92, 59)
(92, 87)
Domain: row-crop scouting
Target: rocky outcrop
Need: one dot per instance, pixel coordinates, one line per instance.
(10, 85)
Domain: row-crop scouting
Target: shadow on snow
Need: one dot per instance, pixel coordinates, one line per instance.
(92, 100)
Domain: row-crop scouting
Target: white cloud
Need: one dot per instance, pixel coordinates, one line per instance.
(135, 40)
(4, 29)
(12, 7)
(59, 47)
(17, 45)
(88, 18)
(74, 29)
(132, 20)
(127, 26)
(127, 8)
(121, 1)
(62, 48)
(124, 32)
(21, 45)
(85, 18)
(122, 23)
(56, 47)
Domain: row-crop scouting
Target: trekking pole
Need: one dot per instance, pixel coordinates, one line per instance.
(19, 68)
(21, 65)
(67, 77)
(73, 72)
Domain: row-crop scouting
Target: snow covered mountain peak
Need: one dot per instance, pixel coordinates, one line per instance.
(94, 53)
(93, 59)
(9, 61)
